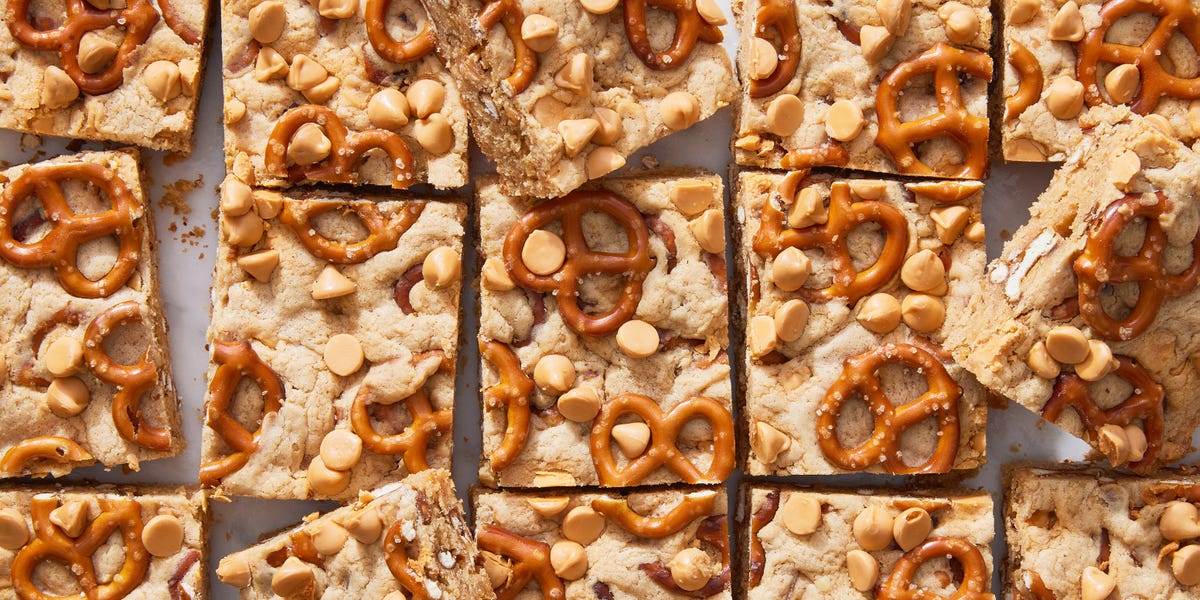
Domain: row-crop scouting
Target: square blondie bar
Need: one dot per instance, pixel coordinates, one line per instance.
(603, 332)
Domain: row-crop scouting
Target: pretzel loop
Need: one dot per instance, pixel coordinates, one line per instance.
(137, 19)
(59, 248)
(757, 556)
(1145, 402)
(634, 264)
(411, 50)
(1097, 267)
(780, 16)
(713, 531)
(860, 377)
(975, 577)
(689, 27)
(530, 562)
(52, 448)
(396, 558)
(413, 442)
(525, 60)
(1029, 91)
(832, 239)
(51, 544)
(664, 432)
(691, 507)
(235, 361)
(898, 139)
(513, 393)
(383, 233)
(346, 149)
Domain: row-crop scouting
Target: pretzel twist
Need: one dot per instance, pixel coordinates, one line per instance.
(235, 361)
(897, 139)
(52, 544)
(828, 154)
(131, 381)
(713, 531)
(689, 27)
(512, 392)
(49, 447)
(137, 19)
(396, 558)
(581, 260)
(1145, 402)
(975, 577)
(1029, 91)
(383, 232)
(860, 377)
(525, 60)
(832, 239)
(945, 192)
(664, 433)
(413, 442)
(1097, 266)
(411, 50)
(346, 149)
(59, 248)
(530, 562)
(1176, 17)
(780, 16)
(691, 507)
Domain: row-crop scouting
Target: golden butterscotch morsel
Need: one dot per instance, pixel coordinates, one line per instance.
(269, 65)
(1095, 584)
(326, 481)
(243, 230)
(496, 568)
(539, 32)
(611, 126)
(880, 313)
(763, 58)
(1123, 168)
(1161, 123)
(631, 438)
(923, 312)
(790, 269)
(548, 506)
(577, 134)
(599, 7)
(337, 9)
(808, 209)
(236, 197)
(844, 121)
(691, 569)
(305, 73)
(1024, 150)
(543, 252)
(332, 284)
(1113, 444)
(863, 568)
(1041, 363)
(1185, 565)
(322, 92)
(785, 114)
(1064, 97)
(554, 373)
(235, 111)
(976, 232)
(72, 517)
(924, 272)
(769, 442)
(895, 15)
(1067, 344)
(868, 189)
(911, 528)
(583, 525)
(761, 336)
(801, 514)
(294, 579)
(58, 89)
(789, 186)
(1023, 11)
(309, 145)
(267, 21)
(1098, 364)
(64, 357)
(14, 532)
(543, 479)
(875, 43)
(1138, 444)
(364, 525)
(693, 196)
(95, 52)
(576, 75)
(579, 404)
(950, 222)
(711, 12)
(341, 449)
(791, 318)
(234, 570)
(602, 161)
(434, 134)
(388, 109)
(873, 528)
(679, 110)
(329, 538)
(67, 397)
(637, 338)
(1121, 83)
(343, 354)
(569, 560)
(425, 97)
(442, 267)
(260, 265)
(496, 277)
(1067, 24)
(961, 22)
(163, 535)
(709, 229)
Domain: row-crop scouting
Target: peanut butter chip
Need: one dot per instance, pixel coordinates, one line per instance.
(1137, 442)
(864, 570)
(497, 569)
(801, 514)
(577, 133)
(569, 560)
(691, 569)
(875, 41)
(761, 336)
(234, 570)
(924, 272)
(922, 312)
(1024, 150)
(267, 21)
(679, 110)
(341, 449)
(763, 58)
(692, 196)
(611, 127)
(709, 229)
(425, 97)
(1185, 564)
(790, 320)
(322, 92)
(388, 109)
(599, 7)
(337, 9)
(325, 481)
(543, 252)
(785, 114)
(637, 339)
(895, 15)
(1041, 363)
(880, 313)
(632, 438)
(1121, 83)
(64, 357)
(329, 538)
(1064, 97)
(790, 269)
(268, 203)
(269, 65)
(539, 32)
(844, 121)
(808, 209)
(1067, 344)
(243, 230)
(441, 268)
(95, 52)
(576, 75)
(365, 526)
(434, 134)
(496, 277)
(711, 12)
(343, 354)
(769, 442)
(911, 528)
(548, 506)
(554, 373)
(67, 396)
(58, 89)
(1096, 584)
(553, 479)
(309, 145)
(1113, 444)
(602, 161)
(163, 536)
(1179, 521)
(236, 197)
(789, 186)
(579, 404)
(71, 517)
(873, 528)
(976, 232)
(305, 73)
(13, 530)
(260, 265)
(961, 22)
(332, 284)
(1067, 24)
(950, 221)
(583, 525)
(1023, 11)
(294, 578)
(1098, 364)
(235, 111)
(868, 189)
(1124, 168)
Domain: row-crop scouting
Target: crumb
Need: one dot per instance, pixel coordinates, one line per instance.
(30, 141)
(650, 162)
(1005, 234)
(173, 227)
(174, 158)
(173, 195)
(1015, 449)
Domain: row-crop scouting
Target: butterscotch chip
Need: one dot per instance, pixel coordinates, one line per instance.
(785, 114)
(329, 538)
(923, 312)
(808, 209)
(234, 570)
(637, 338)
(691, 569)
(961, 22)
(269, 65)
(631, 438)
(305, 73)
(761, 336)
(267, 21)
(873, 528)
(579, 404)
(875, 41)
(71, 517)
(58, 89)
(679, 110)
(1138, 444)
(322, 92)
(67, 396)
(236, 197)
(801, 514)
(568, 559)
(548, 506)
(326, 481)
(341, 449)
(13, 530)
(576, 75)
(577, 134)
(1124, 168)
(1067, 24)
(364, 526)
(1064, 97)
(332, 284)
(711, 12)
(434, 134)
(497, 569)
(553, 479)
(1041, 363)
(95, 52)
(1023, 11)
(496, 277)
(791, 318)
(243, 230)
(763, 58)
(867, 189)
(1179, 521)
(235, 111)
(611, 127)
(1098, 364)
(602, 161)
(924, 272)
(1113, 444)
(1185, 565)
(1067, 344)
(343, 354)
(599, 7)
(268, 203)
(442, 267)
(1121, 83)
(539, 32)
(309, 145)
(880, 313)
(260, 265)
(583, 525)
(769, 442)
(790, 269)
(554, 373)
(388, 109)
(895, 15)
(1024, 150)
(976, 232)
(844, 121)
(337, 9)
(709, 229)
(425, 97)
(864, 570)
(64, 357)
(692, 196)
(911, 528)
(950, 221)
(1096, 584)
(163, 535)
(294, 578)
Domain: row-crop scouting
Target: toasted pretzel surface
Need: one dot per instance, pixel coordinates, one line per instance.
(396, 558)
(757, 560)
(52, 448)
(665, 428)
(137, 19)
(1097, 266)
(832, 239)
(413, 442)
(898, 139)
(59, 248)
(235, 361)
(530, 562)
(780, 16)
(581, 261)
(691, 507)
(975, 576)
(383, 232)
(413, 49)
(828, 154)
(689, 27)
(346, 149)
(1029, 91)
(525, 60)
(860, 376)
(512, 392)
(132, 381)
(945, 192)
(713, 531)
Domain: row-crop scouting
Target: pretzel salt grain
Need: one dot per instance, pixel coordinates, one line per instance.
(346, 149)
(59, 248)
(975, 577)
(1029, 91)
(691, 507)
(383, 233)
(52, 448)
(757, 560)
(419, 46)
(235, 361)
(665, 428)
(525, 60)
(413, 442)
(713, 531)
(780, 16)
(828, 154)
(689, 27)
(530, 561)
(396, 558)
(132, 381)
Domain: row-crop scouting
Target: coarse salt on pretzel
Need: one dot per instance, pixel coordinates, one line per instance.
(413, 442)
(829, 154)
(346, 149)
(525, 60)
(396, 557)
(52, 448)
(689, 27)
(512, 392)
(663, 450)
(383, 234)
(975, 576)
(413, 49)
(780, 16)
(530, 562)
(235, 361)
(691, 507)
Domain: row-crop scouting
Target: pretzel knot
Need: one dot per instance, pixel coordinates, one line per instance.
(1145, 402)
(138, 19)
(131, 381)
(713, 531)
(689, 27)
(77, 555)
(49, 447)
(692, 507)
(413, 442)
(780, 16)
(899, 139)
(633, 264)
(975, 577)
(235, 361)
(513, 393)
(860, 376)
(383, 233)
(415, 48)
(345, 152)
(832, 239)
(664, 433)
(59, 248)
(1176, 17)
(1097, 267)
(530, 562)
(525, 60)
(396, 558)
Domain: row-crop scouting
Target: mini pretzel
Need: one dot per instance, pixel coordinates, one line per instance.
(59, 249)
(78, 554)
(49, 447)
(945, 192)
(832, 238)
(525, 60)
(396, 557)
(780, 16)
(581, 260)
(530, 561)
(413, 442)
(664, 431)
(513, 393)
(346, 149)
(713, 531)
(1145, 402)
(690, 508)
(1097, 267)
(1029, 91)
(384, 233)
(235, 361)
(946, 63)
(138, 20)
(300, 544)
(828, 154)
(860, 377)
(411, 50)
(757, 560)
(1176, 17)
(131, 381)
(975, 577)
(175, 21)
(689, 26)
